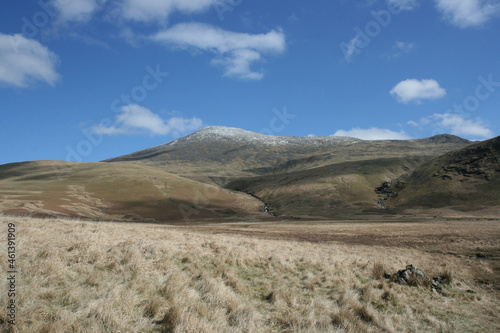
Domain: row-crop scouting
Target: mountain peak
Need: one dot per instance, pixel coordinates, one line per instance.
(222, 130)
(445, 138)
(213, 131)
(219, 143)
(238, 135)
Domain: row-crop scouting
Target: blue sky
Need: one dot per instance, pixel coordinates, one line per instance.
(86, 80)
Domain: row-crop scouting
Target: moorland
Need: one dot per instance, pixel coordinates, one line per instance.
(226, 230)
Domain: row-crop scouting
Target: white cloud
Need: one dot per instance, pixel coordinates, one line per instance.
(237, 64)
(207, 37)
(456, 124)
(403, 4)
(468, 13)
(24, 62)
(76, 10)
(160, 10)
(373, 133)
(235, 52)
(414, 90)
(135, 119)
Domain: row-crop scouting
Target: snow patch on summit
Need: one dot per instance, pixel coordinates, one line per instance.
(222, 134)
(216, 133)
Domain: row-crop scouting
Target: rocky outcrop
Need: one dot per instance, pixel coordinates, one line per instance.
(386, 191)
(413, 276)
(466, 179)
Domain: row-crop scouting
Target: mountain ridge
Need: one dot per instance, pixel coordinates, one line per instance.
(232, 152)
(223, 133)
(221, 173)
(232, 135)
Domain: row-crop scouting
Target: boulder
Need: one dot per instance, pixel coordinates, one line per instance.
(411, 276)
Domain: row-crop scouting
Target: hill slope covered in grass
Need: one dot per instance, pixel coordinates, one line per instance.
(466, 180)
(221, 172)
(318, 177)
(117, 191)
(227, 152)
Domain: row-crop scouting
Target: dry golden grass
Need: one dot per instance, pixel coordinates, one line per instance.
(114, 191)
(77, 276)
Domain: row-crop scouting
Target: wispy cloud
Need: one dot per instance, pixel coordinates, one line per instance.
(413, 90)
(235, 52)
(24, 62)
(147, 11)
(404, 46)
(89, 40)
(455, 124)
(135, 10)
(461, 126)
(160, 10)
(76, 10)
(400, 48)
(135, 119)
(373, 133)
(237, 64)
(468, 13)
(403, 4)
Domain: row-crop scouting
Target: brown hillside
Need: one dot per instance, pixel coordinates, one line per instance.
(467, 179)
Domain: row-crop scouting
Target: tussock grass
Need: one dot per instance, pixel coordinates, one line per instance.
(79, 276)
(378, 270)
(447, 277)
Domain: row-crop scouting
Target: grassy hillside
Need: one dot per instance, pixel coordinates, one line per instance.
(319, 177)
(209, 174)
(214, 155)
(334, 190)
(466, 180)
(112, 277)
(117, 191)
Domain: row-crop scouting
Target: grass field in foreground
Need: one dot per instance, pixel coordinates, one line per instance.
(78, 276)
